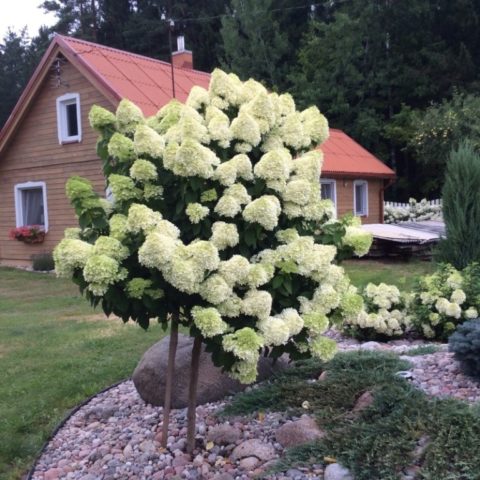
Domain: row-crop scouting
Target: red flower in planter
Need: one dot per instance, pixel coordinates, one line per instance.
(28, 234)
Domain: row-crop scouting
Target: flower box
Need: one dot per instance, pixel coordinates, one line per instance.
(28, 234)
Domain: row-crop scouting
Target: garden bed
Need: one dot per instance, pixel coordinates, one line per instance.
(116, 435)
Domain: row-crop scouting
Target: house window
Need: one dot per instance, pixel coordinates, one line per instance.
(68, 118)
(31, 204)
(329, 190)
(360, 198)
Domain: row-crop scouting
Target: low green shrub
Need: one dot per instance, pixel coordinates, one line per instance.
(381, 441)
(445, 299)
(465, 343)
(385, 315)
(42, 262)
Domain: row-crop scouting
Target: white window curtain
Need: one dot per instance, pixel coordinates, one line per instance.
(32, 206)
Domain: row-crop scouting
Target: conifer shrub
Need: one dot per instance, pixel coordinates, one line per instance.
(461, 208)
(465, 343)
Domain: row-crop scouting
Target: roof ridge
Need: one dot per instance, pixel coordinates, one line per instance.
(67, 39)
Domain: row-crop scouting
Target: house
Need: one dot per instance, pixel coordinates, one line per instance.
(353, 178)
(47, 138)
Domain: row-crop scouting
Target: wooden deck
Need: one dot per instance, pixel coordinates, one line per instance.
(405, 239)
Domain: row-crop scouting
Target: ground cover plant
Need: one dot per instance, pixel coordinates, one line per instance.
(380, 442)
(55, 351)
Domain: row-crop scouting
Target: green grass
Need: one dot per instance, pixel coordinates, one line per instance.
(55, 351)
(378, 443)
(399, 273)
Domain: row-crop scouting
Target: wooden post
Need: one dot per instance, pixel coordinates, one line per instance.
(172, 350)
(192, 394)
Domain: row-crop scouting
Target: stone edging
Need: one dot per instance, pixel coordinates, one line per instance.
(62, 422)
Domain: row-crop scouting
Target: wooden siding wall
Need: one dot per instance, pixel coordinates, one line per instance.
(345, 197)
(34, 154)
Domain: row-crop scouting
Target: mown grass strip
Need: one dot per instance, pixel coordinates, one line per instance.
(55, 352)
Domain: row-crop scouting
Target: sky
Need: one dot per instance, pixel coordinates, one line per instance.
(18, 13)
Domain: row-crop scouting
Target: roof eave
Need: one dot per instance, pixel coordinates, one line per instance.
(29, 91)
(58, 45)
(358, 174)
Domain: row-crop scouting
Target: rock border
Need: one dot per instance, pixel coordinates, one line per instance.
(62, 423)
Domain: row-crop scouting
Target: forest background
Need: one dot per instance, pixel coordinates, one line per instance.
(400, 77)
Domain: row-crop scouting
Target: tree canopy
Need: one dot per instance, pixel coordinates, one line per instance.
(379, 69)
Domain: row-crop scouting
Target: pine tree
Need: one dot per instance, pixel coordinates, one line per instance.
(253, 42)
(461, 208)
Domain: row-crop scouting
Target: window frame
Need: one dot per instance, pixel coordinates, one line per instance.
(18, 189)
(330, 181)
(62, 122)
(363, 183)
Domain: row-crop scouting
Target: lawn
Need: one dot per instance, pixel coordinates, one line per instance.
(55, 351)
(399, 273)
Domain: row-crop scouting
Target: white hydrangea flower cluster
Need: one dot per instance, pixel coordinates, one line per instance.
(206, 198)
(100, 262)
(443, 300)
(384, 315)
(413, 211)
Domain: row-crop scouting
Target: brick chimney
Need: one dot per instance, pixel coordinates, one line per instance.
(182, 58)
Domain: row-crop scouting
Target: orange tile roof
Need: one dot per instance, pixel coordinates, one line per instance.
(143, 80)
(344, 156)
(147, 82)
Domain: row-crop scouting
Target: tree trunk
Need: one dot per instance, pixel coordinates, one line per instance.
(172, 350)
(192, 394)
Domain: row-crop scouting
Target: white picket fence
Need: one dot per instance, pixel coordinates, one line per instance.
(437, 202)
(413, 211)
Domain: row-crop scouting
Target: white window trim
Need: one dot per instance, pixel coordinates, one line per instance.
(330, 181)
(62, 102)
(355, 183)
(18, 201)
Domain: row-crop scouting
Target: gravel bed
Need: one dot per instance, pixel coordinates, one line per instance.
(117, 436)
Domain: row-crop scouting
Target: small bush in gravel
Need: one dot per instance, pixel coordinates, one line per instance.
(465, 343)
(446, 299)
(385, 315)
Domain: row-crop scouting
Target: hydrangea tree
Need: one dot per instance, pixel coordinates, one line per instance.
(216, 223)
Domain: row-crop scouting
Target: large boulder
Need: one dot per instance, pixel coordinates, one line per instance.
(150, 375)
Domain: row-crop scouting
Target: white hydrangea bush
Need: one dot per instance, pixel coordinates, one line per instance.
(216, 216)
(413, 211)
(385, 314)
(446, 299)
